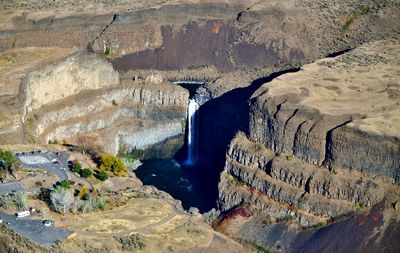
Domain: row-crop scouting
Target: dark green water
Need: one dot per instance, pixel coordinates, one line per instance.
(187, 183)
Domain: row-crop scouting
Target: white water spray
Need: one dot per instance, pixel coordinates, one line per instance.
(192, 115)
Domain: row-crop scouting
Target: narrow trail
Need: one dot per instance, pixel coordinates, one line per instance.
(145, 229)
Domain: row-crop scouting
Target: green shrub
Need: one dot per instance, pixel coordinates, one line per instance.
(114, 103)
(348, 22)
(85, 173)
(53, 142)
(6, 201)
(19, 200)
(8, 161)
(353, 15)
(38, 184)
(130, 157)
(359, 207)
(76, 167)
(319, 225)
(107, 52)
(100, 202)
(65, 184)
(3, 174)
(102, 175)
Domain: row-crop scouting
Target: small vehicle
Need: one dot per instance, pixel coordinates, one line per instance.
(55, 161)
(48, 223)
(1, 221)
(23, 214)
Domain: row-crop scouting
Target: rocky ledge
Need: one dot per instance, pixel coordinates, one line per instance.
(342, 113)
(323, 142)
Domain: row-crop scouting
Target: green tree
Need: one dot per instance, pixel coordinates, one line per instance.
(6, 201)
(86, 173)
(65, 184)
(103, 176)
(19, 200)
(100, 202)
(7, 162)
(76, 167)
(3, 174)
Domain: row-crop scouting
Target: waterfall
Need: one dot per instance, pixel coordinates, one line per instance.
(191, 141)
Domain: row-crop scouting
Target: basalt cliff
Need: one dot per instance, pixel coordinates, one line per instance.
(313, 154)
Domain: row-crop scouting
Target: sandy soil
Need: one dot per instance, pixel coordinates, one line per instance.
(160, 225)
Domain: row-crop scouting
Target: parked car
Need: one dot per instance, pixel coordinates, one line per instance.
(55, 161)
(48, 223)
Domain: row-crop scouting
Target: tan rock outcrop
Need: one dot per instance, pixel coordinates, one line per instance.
(340, 112)
(80, 71)
(132, 116)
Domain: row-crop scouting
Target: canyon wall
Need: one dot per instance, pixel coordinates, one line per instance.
(78, 72)
(133, 115)
(93, 106)
(226, 34)
(322, 141)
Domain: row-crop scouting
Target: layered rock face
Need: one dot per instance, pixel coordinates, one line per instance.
(81, 99)
(283, 185)
(130, 116)
(341, 113)
(322, 140)
(80, 71)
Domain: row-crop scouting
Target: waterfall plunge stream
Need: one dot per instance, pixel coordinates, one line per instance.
(186, 176)
(192, 133)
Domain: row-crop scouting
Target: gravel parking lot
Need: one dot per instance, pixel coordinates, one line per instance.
(34, 229)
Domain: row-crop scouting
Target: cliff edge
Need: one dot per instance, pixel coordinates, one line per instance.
(323, 144)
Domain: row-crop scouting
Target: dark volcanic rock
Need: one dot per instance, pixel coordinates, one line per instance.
(197, 44)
